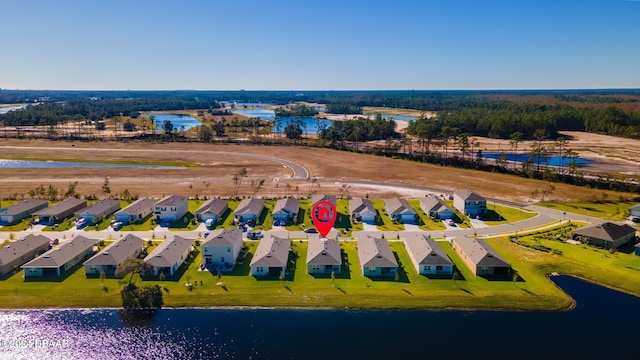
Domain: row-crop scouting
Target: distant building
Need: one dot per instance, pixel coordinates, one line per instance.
(58, 212)
(97, 212)
(170, 209)
(60, 259)
(479, 257)
(17, 212)
(108, 260)
(607, 235)
(136, 212)
(470, 203)
(16, 253)
(427, 256)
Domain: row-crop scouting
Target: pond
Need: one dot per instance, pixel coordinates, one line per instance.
(12, 108)
(36, 164)
(178, 120)
(547, 160)
(601, 326)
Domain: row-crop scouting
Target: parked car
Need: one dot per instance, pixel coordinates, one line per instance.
(449, 222)
(635, 219)
(80, 223)
(116, 225)
(311, 231)
(255, 235)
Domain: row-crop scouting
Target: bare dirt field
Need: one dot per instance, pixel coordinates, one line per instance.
(334, 170)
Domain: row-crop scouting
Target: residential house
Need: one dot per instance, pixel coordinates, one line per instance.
(97, 212)
(58, 212)
(286, 210)
(212, 211)
(318, 197)
(108, 260)
(323, 256)
(638, 249)
(435, 208)
(272, 255)
(479, 257)
(607, 235)
(399, 210)
(427, 256)
(249, 210)
(60, 259)
(136, 212)
(169, 255)
(362, 209)
(15, 213)
(376, 257)
(634, 211)
(170, 209)
(470, 203)
(16, 253)
(221, 249)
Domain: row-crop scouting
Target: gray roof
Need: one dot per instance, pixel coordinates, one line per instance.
(168, 252)
(138, 206)
(289, 205)
(272, 251)
(19, 248)
(22, 206)
(101, 206)
(118, 251)
(468, 195)
(213, 206)
(323, 252)
(330, 198)
(398, 206)
(607, 231)
(250, 206)
(172, 200)
(224, 237)
(636, 207)
(375, 252)
(359, 205)
(62, 206)
(62, 254)
(425, 250)
(480, 252)
(433, 203)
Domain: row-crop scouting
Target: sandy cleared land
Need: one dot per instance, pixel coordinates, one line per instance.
(334, 170)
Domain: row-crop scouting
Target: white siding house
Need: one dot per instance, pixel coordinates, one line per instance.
(362, 210)
(427, 257)
(221, 249)
(169, 255)
(271, 256)
(170, 209)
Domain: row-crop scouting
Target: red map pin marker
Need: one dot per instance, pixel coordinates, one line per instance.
(323, 214)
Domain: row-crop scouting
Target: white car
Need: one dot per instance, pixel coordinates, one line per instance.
(449, 222)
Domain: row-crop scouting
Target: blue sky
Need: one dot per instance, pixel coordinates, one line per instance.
(328, 44)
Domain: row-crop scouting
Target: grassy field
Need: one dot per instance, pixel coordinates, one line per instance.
(499, 214)
(606, 210)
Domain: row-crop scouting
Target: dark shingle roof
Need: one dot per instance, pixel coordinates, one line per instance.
(213, 206)
(272, 251)
(323, 252)
(172, 200)
(359, 205)
(398, 206)
(62, 206)
(425, 250)
(168, 252)
(101, 206)
(290, 205)
(249, 206)
(375, 252)
(138, 206)
(224, 237)
(433, 203)
(468, 195)
(19, 248)
(23, 206)
(607, 231)
(62, 254)
(330, 198)
(117, 251)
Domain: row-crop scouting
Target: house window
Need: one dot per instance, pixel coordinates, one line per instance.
(206, 249)
(229, 249)
(222, 259)
(259, 269)
(427, 268)
(484, 269)
(438, 267)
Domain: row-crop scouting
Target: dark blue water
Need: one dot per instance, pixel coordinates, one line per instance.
(177, 120)
(549, 160)
(601, 326)
(32, 164)
(310, 124)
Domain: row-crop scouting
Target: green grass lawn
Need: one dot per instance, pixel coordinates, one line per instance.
(499, 214)
(424, 221)
(23, 225)
(609, 210)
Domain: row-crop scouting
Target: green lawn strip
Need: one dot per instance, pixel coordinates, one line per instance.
(459, 218)
(424, 221)
(604, 210)
(304, 217)
(265, 220)
(22, 225)
(499, 214)
(67, 224)
(383, 221)
(227, 217)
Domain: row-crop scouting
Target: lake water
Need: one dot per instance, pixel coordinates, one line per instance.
(601, 326)
(7, 109)
(177, 120)
(549, 160)
(31, 164)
